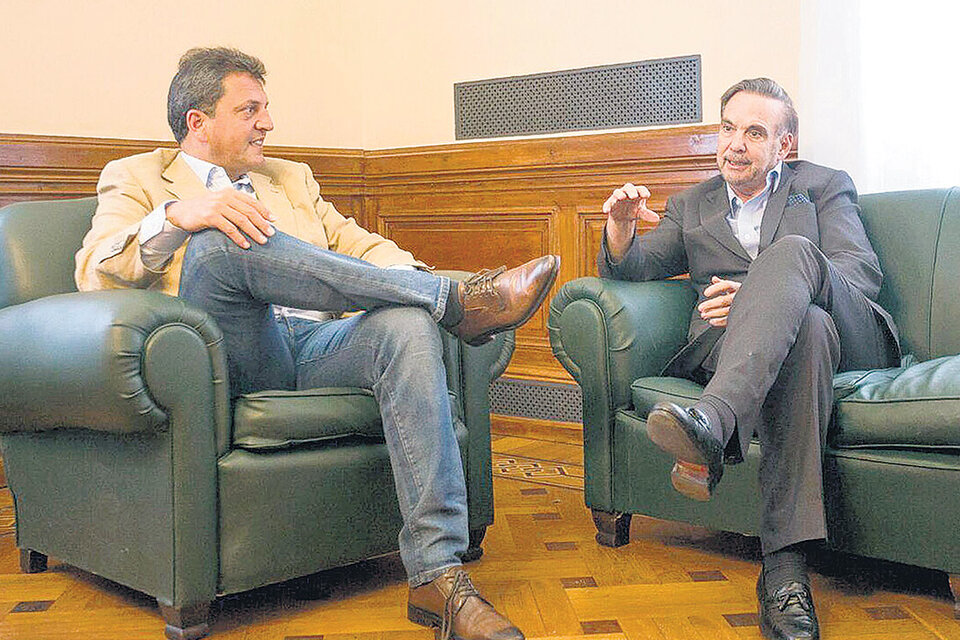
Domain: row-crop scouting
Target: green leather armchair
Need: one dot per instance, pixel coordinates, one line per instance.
(125, 459)
(893, 457)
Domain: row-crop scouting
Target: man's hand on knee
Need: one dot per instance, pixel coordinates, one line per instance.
(719, 295)
(234, 213)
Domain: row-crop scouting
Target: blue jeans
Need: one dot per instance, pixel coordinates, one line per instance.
(394, 349)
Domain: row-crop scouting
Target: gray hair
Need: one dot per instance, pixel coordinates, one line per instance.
(770, 89)
(198, 83)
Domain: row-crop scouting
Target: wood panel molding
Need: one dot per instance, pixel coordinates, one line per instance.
(457, 206)
(545, 430)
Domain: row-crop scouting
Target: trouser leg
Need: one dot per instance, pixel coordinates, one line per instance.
(765, 319)
(237, 286)
(794, 322)
(397, 352)
(792, 432)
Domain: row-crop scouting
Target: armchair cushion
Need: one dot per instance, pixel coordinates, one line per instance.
(269, 420)
(912, 406)
(648, 391)
(915, 406)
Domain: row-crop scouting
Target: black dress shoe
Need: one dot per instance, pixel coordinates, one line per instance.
(686, 434)
(787, 612)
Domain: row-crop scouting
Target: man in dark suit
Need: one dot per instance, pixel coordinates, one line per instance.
(787, 283)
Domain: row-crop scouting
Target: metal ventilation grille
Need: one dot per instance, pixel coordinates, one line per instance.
(537, 400)
(652, 92)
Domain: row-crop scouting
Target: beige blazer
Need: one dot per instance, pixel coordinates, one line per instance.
(132, 187)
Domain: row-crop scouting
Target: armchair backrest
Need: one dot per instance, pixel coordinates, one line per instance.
(916, 235)
(38, 241)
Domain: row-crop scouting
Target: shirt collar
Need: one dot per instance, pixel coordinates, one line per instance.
(773, 182)
(203, 169)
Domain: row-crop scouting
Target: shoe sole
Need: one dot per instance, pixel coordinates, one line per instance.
(690, 475)
(692, 480)
(666, 431)
(484, 338)
(426, 618)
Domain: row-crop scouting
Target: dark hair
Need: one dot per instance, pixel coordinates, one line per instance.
(199, 82)
(769, 88)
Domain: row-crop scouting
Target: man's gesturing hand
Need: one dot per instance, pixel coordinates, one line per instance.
(624, 207)
(234, 213)
(719, 295)
(629, 203)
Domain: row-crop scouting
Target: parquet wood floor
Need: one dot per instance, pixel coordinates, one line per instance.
(542, 567)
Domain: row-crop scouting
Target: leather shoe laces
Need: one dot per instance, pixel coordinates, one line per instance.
(462, 589)
(793, 594)
(482, 282)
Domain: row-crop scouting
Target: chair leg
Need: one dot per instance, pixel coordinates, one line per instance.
(32, 561)
(474, 550)
(613, 529)
(955, 588)
(186, 623)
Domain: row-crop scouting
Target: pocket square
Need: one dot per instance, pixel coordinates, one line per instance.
(797, 198)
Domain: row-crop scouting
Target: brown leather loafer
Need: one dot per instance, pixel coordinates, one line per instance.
(454, 607)
(500, 299)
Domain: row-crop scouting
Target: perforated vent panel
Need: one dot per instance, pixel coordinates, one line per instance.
(538, 400)
(652, 92)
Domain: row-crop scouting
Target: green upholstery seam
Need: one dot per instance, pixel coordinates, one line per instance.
(897, 400)
(836, 453)
(933, 278)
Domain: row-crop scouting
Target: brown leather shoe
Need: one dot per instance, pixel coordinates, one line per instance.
(452, 604)
(500, 299)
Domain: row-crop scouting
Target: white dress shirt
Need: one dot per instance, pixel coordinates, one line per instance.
(745, 217)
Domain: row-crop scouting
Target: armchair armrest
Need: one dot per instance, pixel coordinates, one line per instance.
(116, 363)
(608, 333)
(98, 361)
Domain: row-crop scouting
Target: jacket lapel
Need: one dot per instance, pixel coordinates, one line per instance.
(713, 217)
(775, 206)
(274, 199)
(183, 183)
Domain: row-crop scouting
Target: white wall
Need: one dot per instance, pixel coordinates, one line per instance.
(417, 55)
(102, 67)
(879, 90)
(362, 73)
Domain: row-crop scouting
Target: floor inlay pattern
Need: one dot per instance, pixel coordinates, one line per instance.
(557, 474)
(542, 568)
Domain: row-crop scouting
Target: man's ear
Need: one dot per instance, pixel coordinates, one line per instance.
(786, 144)
(197, 124)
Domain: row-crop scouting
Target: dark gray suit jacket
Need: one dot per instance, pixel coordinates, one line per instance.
(694, 237)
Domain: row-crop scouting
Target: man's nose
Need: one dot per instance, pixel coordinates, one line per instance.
(265, 122)
(738, 141)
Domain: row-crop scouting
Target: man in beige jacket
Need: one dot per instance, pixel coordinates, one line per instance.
(249, 240)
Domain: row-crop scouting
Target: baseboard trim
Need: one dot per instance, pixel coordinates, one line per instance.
(546, 430)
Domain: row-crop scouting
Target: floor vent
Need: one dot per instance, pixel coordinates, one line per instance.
(634, 94)
(538, 400)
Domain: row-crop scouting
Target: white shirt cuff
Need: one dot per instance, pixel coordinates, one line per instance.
(159, 238)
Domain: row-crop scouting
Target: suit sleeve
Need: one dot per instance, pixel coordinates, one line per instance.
(655, 255)
(842, 236)
(345, 236)
(110, 255)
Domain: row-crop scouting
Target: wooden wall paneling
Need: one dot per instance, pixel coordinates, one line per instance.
(571, 177)
(34, 167)
(475, 239)
(43, 167)
(463, 205)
